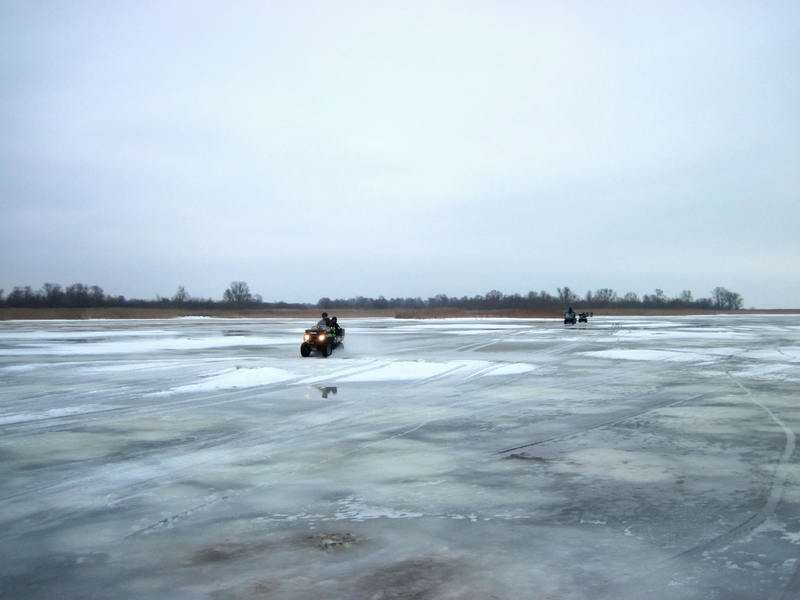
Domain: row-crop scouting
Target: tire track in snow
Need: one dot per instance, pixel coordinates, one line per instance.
(779, 479)
(608, 423)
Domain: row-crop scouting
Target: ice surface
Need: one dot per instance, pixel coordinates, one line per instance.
(463, 458)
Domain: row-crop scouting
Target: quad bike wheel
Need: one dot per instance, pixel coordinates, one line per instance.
(305, 350)
(327, 349)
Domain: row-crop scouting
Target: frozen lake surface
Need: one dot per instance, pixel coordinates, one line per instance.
(454, 459)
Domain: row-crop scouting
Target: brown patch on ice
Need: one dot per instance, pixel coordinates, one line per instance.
(525, 456)
(330, 542)
(256, 589)
(223, 552)
(275, 588)
(228, 551)
(218, 553)
(417, 578)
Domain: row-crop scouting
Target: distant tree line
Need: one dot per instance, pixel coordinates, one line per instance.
(721, 298)
(79, 295)
(238, 294)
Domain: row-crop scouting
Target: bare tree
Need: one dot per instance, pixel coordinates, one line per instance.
(631, 297)
(22, 296)
(566, 295)
(181, 295)
(96, 295)
(493, 298)
(686, 297)
(735, 301)
(238, 293)
(605, 296)
(726, 299)
(77, 294)
(53, 294)
(437, 300)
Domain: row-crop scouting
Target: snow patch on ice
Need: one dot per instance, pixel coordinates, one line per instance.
(784, 354)
(460, 326)
(649, 355)
(656, 335)
(770, 371)
(138, 346)
(407, 370)
(356, 367)
(354, 508)
(65, 411)
(793, 537)
(511, 369)
(195, 318)
(236, 378)
(20, 368)
(78, 334)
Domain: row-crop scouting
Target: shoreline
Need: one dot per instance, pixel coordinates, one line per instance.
(46, 314)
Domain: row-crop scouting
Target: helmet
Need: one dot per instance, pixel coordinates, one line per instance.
(324, 315)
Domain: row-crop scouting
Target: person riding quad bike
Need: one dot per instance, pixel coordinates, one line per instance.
(324, 322)
(569, 317)
(335, 326)
(323, 337)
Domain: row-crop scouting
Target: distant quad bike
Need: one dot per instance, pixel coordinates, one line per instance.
(584, 317)
(570, 318)
(322, 341)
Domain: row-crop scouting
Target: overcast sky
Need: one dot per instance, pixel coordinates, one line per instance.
(401, 148)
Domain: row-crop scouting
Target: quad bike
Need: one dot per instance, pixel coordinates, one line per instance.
(584, 317)
(570, 318)
(321, 340)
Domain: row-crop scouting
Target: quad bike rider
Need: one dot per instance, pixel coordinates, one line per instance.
(323, 337)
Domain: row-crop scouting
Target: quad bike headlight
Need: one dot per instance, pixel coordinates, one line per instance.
(306, 337)
(322, 337)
